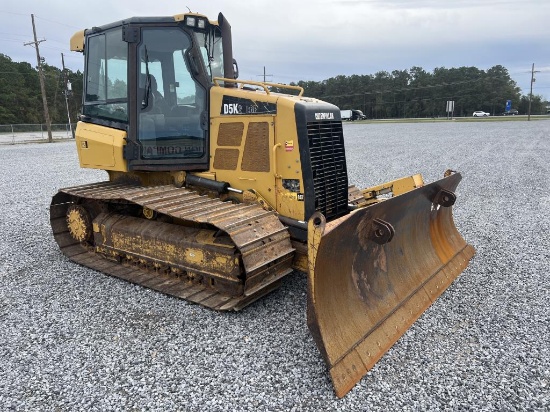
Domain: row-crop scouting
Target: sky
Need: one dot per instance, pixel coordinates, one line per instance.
(315, 40)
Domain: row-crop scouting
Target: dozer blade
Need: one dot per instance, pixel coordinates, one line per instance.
(373, 272)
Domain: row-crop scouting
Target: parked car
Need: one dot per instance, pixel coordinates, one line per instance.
(511, 112)
(480, 113)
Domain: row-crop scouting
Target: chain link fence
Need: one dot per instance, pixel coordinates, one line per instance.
(27, 133)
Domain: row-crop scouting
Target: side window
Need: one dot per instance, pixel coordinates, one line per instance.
(107, 77)
(95, 69)
(212, 51)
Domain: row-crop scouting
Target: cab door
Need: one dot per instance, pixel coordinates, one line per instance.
(170, 128)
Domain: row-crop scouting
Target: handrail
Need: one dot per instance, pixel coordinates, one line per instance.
(274, 150)
(263, 85)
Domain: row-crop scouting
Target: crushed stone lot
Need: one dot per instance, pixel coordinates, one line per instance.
(74, 339)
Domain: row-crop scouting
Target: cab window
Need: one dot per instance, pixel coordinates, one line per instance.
(106, 83)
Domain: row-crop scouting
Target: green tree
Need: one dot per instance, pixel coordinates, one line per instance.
(400, 93)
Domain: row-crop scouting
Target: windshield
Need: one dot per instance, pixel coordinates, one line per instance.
(210, 44)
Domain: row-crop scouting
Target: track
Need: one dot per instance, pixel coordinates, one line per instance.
(260, 242)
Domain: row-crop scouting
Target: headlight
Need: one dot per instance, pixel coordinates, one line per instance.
(194, 21)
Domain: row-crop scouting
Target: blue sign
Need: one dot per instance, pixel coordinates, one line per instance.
(508, 105)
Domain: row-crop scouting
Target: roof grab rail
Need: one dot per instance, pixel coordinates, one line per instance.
(263, 85)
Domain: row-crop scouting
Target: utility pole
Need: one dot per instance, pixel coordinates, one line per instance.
(41, 76)
(265, 74)
(531, 92)
(66, 92)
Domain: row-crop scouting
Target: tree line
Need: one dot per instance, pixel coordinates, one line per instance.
(399, 94)
(418, 93)
(21, 98)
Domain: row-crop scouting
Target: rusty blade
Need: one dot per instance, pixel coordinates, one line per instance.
(374, 272)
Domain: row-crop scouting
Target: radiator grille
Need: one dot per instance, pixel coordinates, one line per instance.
(328, 166)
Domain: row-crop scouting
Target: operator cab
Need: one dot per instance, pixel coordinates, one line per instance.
(150, 77)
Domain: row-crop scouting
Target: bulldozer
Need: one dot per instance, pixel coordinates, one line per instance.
(219, 187)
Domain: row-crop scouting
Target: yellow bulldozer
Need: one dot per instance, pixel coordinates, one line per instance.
(220, 187)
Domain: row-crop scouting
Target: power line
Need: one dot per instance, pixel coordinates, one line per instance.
(408, 89)
(44, 19)
(56, 22)
(11, 12)
(14, 40)
(14, 34)
(57, 48)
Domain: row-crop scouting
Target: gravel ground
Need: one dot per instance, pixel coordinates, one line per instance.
(74, 339)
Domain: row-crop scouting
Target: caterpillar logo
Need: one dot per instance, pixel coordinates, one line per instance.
(324, 116)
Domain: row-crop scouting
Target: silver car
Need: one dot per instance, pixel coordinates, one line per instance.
(480, 113)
